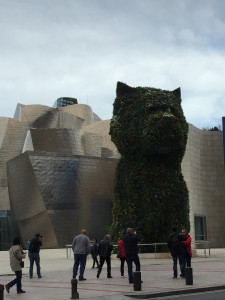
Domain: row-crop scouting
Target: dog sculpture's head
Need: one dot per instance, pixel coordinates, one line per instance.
(148, 122)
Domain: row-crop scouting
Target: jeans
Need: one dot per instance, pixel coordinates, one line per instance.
(182, 265)
(79, 260)
(130, 260)
(122, 261)
(188, 261)
(16, 281)
(101, 263)
(95, 260)
(34, 257)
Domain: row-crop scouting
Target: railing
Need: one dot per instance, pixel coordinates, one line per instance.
(154, 250)
(68, 250)
(204, 244)
(140, 246)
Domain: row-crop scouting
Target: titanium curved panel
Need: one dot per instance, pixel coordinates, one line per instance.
(66, 193)
(67, 141)
(82, 111)
(12, 136)
(25, 197)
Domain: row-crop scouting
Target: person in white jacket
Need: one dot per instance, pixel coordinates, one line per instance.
(16, 255)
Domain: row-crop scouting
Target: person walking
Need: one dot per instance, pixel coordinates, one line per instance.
(177, 252)
(94, 253)
(130, 241)
(122, 256)
(16, 255)
(34, 254)
(81, 247)
(186, 241)
(105, 248)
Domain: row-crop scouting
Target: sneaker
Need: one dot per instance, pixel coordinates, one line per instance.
(174, 277)
(7, 288)
(122, 276)
(20, 292)
(109, 276)
(82, 279)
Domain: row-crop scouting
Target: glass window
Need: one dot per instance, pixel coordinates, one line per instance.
(8, 230)
(200, 228)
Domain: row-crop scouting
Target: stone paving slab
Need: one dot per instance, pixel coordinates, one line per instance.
(156, 273)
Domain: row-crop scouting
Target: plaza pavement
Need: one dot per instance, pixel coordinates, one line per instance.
(56, 269)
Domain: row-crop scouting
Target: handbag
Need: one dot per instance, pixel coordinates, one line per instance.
(21, 262)
(118, 255)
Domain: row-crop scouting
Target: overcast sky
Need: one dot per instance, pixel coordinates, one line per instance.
(81, 48)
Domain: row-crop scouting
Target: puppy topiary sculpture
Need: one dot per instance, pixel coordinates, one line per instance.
(150, 131)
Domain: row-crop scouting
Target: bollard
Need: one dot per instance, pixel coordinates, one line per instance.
(75, 294)
(1, 292)
(137, 280)
(189, 276)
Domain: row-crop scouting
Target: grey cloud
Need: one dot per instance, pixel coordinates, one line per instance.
(82, 48)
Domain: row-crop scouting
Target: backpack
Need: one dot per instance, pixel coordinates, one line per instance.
(175, 242)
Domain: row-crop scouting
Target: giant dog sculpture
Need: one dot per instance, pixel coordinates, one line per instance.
(150, 131)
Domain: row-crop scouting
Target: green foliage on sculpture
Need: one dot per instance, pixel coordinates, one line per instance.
(150, 131)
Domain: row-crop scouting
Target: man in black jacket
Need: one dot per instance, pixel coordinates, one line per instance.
(104, 251)
(177, 252)
(34, 256)
(130, 241)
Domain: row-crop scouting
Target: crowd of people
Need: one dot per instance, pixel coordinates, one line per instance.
(127, 247)
(178, 243)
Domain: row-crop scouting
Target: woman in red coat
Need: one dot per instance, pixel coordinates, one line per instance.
(186, 241)
(122, 256)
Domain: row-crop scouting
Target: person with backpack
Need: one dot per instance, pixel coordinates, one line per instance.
(174, 243)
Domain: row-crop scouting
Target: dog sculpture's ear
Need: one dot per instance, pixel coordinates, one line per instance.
(123, 88)
(177, 93)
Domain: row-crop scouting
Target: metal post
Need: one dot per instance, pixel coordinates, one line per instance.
(137, 280)
(75, 294)
(189, 276)
(1, 292)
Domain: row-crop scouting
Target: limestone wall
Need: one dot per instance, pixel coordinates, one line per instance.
(203, 170)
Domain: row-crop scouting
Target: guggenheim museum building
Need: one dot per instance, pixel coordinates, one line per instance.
(57, 168)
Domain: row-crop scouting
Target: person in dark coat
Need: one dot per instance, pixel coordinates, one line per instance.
(34, 254)
(94, 253)
(130, 241)
(174, 243)
(105, 248)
